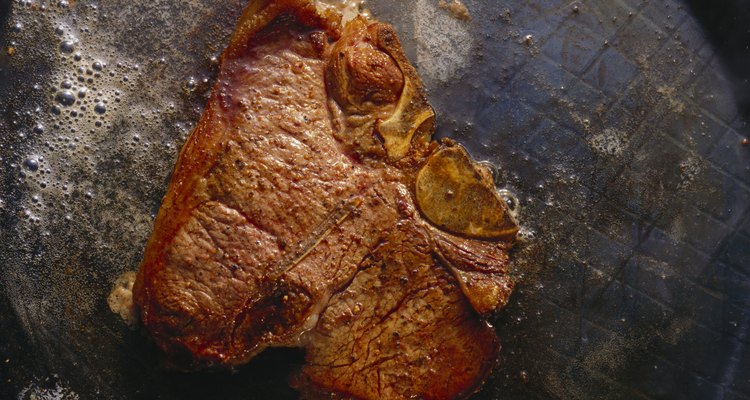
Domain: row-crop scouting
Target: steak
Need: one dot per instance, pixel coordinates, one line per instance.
(310, 208)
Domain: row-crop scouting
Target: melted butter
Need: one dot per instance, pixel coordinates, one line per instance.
(456, 8)
(348, 9)
(120, 299)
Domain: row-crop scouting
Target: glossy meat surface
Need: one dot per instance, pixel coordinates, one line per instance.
(292, 220)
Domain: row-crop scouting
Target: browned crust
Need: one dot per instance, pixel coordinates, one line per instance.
(195, 159)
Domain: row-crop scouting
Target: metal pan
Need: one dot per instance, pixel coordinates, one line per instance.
(614, 122)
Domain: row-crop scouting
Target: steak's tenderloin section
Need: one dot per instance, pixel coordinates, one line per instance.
(310, 208)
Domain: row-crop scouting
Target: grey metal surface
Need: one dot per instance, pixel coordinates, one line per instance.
(613, 122)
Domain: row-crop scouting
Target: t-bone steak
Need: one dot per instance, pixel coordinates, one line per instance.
(310, 208)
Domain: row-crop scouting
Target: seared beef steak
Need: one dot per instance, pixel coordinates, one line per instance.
(310, 208)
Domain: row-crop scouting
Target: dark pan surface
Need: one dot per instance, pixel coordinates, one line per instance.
(613, 121)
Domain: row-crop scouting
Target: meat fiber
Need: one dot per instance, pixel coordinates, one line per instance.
(310, 208)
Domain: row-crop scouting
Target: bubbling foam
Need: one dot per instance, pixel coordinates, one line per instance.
(98, 120)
